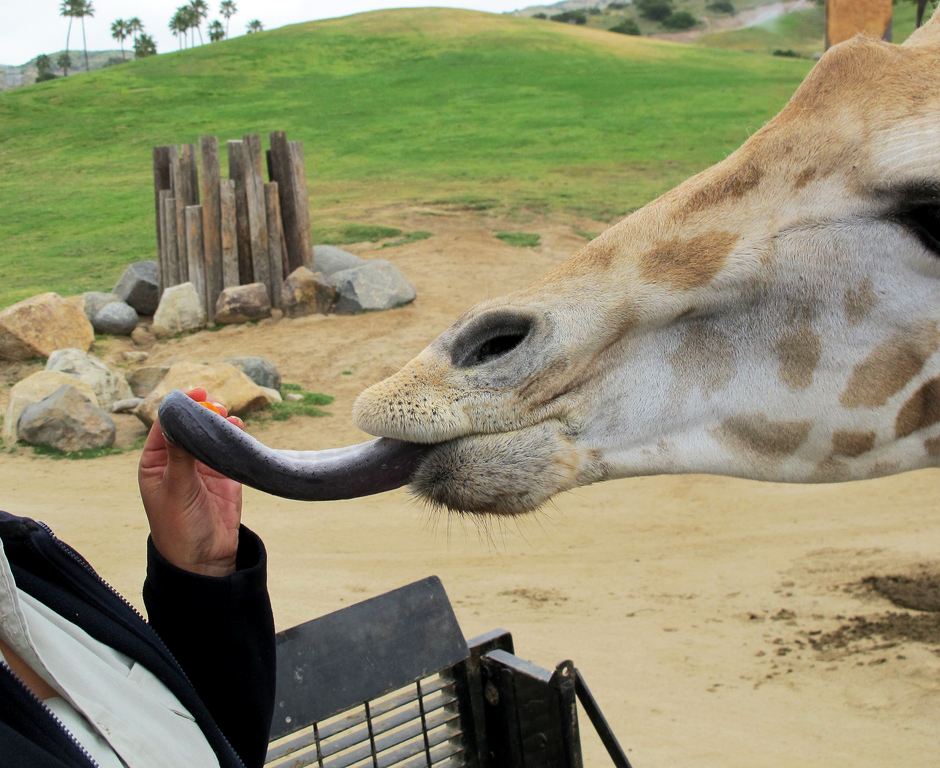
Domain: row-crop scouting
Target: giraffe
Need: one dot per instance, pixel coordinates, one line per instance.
(775, 317)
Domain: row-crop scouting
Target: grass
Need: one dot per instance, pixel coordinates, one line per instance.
(519, 239)
(410, 106)
(308, 405)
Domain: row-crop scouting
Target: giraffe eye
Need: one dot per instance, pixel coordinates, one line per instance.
(923, 221)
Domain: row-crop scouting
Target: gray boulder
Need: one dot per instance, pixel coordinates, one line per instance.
(242, 304)
(109, 386)
(180, 311)
(329, 259)
(139, 286)
(376, 285)
(144, 380)
(115, 319)
(66, 420)
(94, 301)
(305, 293)
(262, 372)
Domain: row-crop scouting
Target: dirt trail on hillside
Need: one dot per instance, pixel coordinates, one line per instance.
(718, 622)
(750, 17)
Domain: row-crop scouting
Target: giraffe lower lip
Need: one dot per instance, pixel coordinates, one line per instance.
(344, 473)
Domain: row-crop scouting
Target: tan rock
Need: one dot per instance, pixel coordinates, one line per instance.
(33, 389)
(226, 384)
(242, 304)
(34, 328)
(305, 293)
(180, 311)
(67, 421)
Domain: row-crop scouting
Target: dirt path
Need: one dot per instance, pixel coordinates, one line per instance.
(697, 607)
(750, 17)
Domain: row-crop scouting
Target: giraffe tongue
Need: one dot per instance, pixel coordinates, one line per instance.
(343, 473)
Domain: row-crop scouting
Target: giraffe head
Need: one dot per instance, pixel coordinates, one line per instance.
(775, 317)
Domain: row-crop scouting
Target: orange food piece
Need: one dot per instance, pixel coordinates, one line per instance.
(214, 407)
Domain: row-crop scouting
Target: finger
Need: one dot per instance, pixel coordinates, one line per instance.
(236, 421)
(198, 394)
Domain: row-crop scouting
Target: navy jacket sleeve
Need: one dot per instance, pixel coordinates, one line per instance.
(221, 631)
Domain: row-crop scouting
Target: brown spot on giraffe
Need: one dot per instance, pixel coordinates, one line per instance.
(921, 410)
(798, 353)
(775, 440)
(688, 263)
(731, 185)
(705, 358)
(807, 175)
(847, 442)
(932, 446)
(860, 301)
(830, 470)
(890, 367)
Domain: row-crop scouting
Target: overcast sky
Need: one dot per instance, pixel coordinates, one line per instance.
(31, 27)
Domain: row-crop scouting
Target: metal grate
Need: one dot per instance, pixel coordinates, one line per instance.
(413, 727)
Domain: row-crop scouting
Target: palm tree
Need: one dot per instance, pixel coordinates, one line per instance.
(255, 26)
(64, 61)
(119, 32)
(67, 9)
(216, 31)
(83, 9)
(227, 9)
(144, 46)
(179, 25)
(199, 10)
(134, 27)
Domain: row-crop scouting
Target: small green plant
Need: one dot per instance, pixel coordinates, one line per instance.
(519, 239)
(788, 53)
(411, 237)
(721, 6)
(308, 405)
(87, 453)
(626, 27)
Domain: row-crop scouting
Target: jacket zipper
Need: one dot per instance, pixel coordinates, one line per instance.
(86, 566)
(55, 719)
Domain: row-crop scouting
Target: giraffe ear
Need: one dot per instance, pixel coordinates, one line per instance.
(928, 34)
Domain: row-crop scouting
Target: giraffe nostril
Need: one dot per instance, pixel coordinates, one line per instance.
(489, 338)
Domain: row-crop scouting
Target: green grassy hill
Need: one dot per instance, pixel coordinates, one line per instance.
(419, 105)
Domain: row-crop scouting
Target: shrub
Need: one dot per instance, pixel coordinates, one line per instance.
(721, 6)
(539, 15)
(680, 20)
(570, 17)
(616, 6)
(43, 76)
(789, 52)
(626, 27)
(656, 10)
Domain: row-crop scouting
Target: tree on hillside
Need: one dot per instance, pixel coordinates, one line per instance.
(134, 27)
(144, 46)
(200, 10)
(179, 25)
(255, 26)
(67, 9)
(43, 67)
(119, 32)
(64, 61)
(227, 9)
(84, 8)
(216, 31)
(655, 10)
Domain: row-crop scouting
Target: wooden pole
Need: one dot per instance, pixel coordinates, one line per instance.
(257, 218)
(197, 261)
(188, 156)
(172, 242)
(229, 234)
(161, 182)
(275, 244)
(164, 268)
(180, 183)
(302, 201)
(237, 162)
(282, 172)
(211, 221)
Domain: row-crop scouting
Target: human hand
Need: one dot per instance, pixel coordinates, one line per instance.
(194, 512)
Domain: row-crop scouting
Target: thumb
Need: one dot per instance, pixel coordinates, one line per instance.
(180, 466)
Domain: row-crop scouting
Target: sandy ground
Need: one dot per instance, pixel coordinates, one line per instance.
(690, 604)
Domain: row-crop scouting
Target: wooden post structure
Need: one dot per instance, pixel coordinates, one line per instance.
(237, 161)
(257, 218)
(172, 241)
(275, 244)
(299, 252)
(303, 202)
(211, 221)
(194, 250)
(229, 233)
(161, 182)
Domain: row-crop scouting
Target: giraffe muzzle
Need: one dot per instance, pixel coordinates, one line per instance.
(343, 473)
